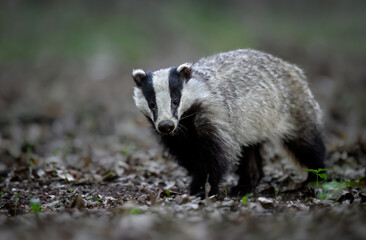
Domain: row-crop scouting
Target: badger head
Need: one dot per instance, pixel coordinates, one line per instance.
(164, 95)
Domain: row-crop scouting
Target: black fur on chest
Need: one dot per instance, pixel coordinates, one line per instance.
(187, 143)
(197, 147)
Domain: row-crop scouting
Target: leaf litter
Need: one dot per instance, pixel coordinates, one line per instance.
(122, 191)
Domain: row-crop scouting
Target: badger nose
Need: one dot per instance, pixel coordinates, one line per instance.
(166, 126)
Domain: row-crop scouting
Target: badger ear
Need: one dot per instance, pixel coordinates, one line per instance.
(138, 76)
(185, 69)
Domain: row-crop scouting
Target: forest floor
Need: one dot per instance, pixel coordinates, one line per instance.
(87, 185)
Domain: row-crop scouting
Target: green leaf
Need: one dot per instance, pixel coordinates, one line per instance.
(276, 190)
(135, 211)
(167, 192)
(322, 196)
(323, 176)
(29, 149)
(110, 173)
(35, 207)
(334, 185)
(244, 200)
(322, 169)
(55, 152)
(353, 184)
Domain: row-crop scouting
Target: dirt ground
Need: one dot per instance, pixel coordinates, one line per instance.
(119, 191)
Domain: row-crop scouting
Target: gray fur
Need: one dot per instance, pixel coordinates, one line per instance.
(248, 95)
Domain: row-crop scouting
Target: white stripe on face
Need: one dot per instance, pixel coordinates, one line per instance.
(162, 93)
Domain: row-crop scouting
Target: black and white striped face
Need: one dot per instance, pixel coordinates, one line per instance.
(158, 95)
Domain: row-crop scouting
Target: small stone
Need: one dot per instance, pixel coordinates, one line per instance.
(363, 197)
(346, 196)
(266, 202)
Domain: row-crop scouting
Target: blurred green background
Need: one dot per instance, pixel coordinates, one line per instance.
(62, 59)
(133, 31)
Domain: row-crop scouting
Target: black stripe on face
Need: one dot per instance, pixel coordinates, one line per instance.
(149, 93)
(175, 87)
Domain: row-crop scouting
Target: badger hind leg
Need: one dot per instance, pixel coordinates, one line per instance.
(250, 170)
(308, 149)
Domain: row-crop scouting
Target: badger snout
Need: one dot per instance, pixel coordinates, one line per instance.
(166, 126)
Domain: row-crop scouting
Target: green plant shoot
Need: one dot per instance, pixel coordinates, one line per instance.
(167, 192)
(225, 189)
(318, 174)
(276, 190)
(135, 211)
(35, 207)
(244, 200)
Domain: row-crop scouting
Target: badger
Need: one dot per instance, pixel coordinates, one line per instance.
(217, 113)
